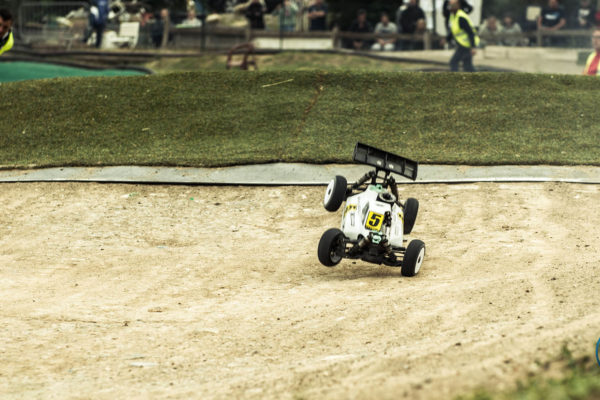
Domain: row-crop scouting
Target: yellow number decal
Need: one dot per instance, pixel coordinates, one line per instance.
(374, 221)
(349, 207)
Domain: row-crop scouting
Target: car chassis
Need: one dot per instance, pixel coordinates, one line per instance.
(374, 220)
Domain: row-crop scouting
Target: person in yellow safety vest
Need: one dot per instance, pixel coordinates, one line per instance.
(6, 35)
(591, 65)
(465, 36)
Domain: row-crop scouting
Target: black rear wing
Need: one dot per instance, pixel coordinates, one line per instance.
(382, 160)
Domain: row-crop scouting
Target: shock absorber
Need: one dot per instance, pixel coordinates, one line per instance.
(386, 243)
(386, 246)
(363, 179)
(394, 187)
(363, 242)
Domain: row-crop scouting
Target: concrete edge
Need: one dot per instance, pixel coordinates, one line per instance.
(284, 174)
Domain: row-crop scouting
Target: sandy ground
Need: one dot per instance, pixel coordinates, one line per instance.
(122, 291)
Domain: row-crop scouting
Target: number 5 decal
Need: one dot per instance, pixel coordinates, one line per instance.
(374, 221)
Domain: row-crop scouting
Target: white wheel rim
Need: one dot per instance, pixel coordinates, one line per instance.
(419, 261)
(328, 192)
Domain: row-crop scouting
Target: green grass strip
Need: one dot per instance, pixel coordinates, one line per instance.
(579, 380)
(229, 118)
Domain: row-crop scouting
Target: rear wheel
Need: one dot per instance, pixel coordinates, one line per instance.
(335, 194)
(413, 258)
(331, 246)
(411, 209)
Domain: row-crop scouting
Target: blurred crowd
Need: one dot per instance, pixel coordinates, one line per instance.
(553, 17)
(505, 29)
(409, 20)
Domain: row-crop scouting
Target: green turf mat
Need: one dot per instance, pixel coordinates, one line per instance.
(11, 71)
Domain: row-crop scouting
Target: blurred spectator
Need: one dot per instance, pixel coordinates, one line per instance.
(317, 14)
(463, 4)
(272, 5)
(97, 21)
(399, 14)
(360, 25)
(463, 32)
(6, 35)
(409, 17)
(408, 23)
(160, 26)
(489, 31)
(287, 16)
(255, 14)
(591, 65)
(513, 32)
(585, 16)
(199, 6)
(417, 44)
(552, 19)
(217, 6)
(191, 21)
(384, 27)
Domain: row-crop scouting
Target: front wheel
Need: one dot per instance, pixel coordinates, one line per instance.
(335, 194)
(411, 209)
(331, 247)
(413, 258)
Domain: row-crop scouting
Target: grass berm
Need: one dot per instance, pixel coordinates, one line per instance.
(231, 118)
(579, 380)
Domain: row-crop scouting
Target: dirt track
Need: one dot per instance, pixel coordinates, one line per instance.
(150, 291)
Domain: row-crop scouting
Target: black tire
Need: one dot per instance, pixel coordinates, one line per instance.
(411, 209)
(413, 258)
(335, 194)
(329, 246)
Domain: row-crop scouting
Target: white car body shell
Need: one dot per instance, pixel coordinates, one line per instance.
(361, 214)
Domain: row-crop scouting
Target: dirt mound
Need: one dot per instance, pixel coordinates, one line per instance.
(118, 291)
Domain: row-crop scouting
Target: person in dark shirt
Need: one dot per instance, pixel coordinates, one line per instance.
(217, 6)
(408, 22)
(98, 17)
(552, 19)
(361, 25)
(410, 16)
(584, 18)
(585, 15)
(272, 5)
(158, 28)
(255, 14)
(317, 14)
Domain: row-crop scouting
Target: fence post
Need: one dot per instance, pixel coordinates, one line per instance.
(166, 31)
(280, 34)
(335, 37)
(248, 34)
(427, 40)
(203, 33)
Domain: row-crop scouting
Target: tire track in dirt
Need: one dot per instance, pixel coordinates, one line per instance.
(220, 292)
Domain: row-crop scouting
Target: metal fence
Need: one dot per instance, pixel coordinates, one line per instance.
(52, 22)
(221, 38)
